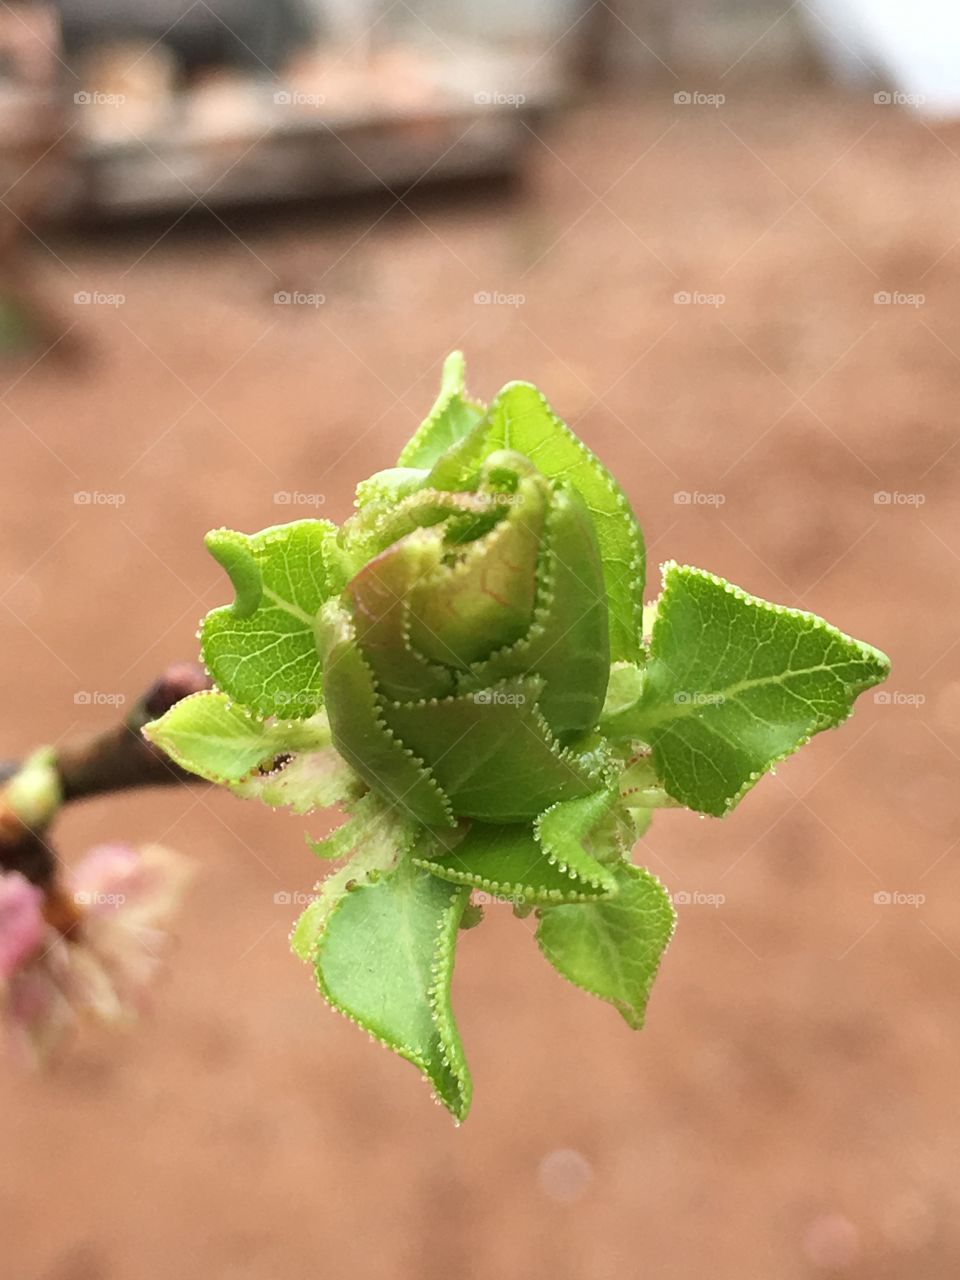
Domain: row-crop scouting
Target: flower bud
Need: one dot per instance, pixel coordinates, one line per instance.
(467, 659)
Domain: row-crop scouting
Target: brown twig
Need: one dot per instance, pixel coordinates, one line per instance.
(116, 760)
(122, 758)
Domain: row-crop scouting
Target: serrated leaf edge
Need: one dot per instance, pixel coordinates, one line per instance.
(671, 569)
(619, 1005)
(511, 889)
(255, 545)
(381, 724)
(580, 766)
(149, 731)
(606, 881)
(452, 384)
(439, 997)
(546, 579)
(444, 949)
(636, 569)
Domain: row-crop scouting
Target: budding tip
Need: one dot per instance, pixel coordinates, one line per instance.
(177, 682)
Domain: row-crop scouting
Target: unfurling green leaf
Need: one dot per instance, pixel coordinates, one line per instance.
(373, 840)
(569, 626)
(361, 734)
(521, 419)
(261, 650)
(612, 948)
(452, 417)
(493, 753)
(280, 762)
(222, 741)
(579, 834)
(735, 684)
(385, 960)
(508, 862)
(466, 667)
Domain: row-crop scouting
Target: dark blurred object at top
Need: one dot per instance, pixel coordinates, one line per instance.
(252, 35)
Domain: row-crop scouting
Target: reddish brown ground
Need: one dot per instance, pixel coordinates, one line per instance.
(792, 1103)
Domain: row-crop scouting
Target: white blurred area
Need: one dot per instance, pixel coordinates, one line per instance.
(912, 48)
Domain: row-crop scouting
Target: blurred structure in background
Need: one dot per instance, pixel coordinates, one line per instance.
(174, 104)
(115, 109)
(246, 101)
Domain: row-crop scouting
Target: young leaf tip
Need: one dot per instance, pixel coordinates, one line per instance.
(453, 378)
(232, 552)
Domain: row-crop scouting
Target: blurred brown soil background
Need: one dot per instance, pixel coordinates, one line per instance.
(789, 1110)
